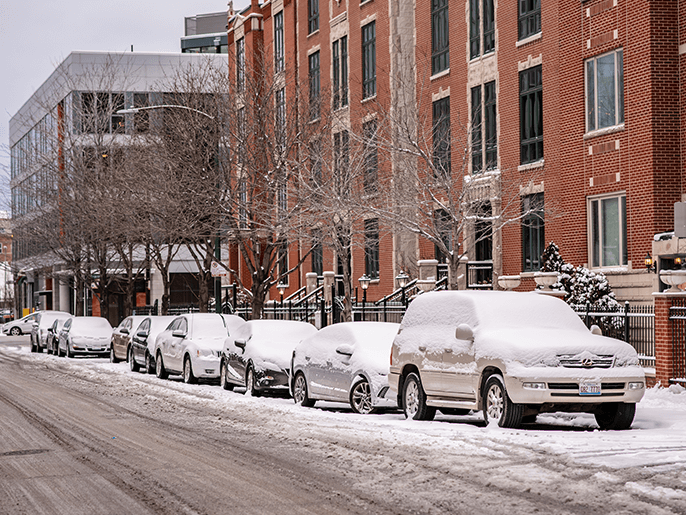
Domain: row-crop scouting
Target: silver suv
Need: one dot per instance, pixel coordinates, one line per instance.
(512, 355)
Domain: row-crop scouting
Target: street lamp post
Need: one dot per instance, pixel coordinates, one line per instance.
(217, 239)
(282, 288)
(402, 278)
(364, 284)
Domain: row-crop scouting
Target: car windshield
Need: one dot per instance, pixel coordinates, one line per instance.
(91, 324)
(209, 327)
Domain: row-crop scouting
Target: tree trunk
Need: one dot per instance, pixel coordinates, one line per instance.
(130, 290)
(453, 271)
(203, 292)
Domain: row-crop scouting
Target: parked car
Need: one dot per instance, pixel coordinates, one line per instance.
(40, 326)
(191, 345)
(512, 355)
(142, 348)
(85, 335)
(345, 362)
(258, 355)
(21, 326)
(121, 338)
(52, 339)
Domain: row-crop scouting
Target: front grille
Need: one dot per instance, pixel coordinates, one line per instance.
(579, 361)
(575, 386)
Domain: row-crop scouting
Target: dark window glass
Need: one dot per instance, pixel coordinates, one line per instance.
(371, 248)
(531, 115)
(533, 234)
(483, 233)
(118, 125)
(341, 152)
(529, 18)
(489, 26)
(477, 140)
(315, 85)
(441, 137)
(317, 253)
(240, 64)
(339, 52)
(440, 55)
(369, 60)
(278, 42)
(282, 257)
(141, 120)
(474, 29)
(371, 158)
(491, 135)
(443, 226)
(312, 15)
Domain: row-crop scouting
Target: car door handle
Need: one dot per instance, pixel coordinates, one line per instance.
(307, 358)
(449, 351)
(422, 348)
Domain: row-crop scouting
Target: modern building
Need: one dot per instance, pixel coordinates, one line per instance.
(94, 84)
(576, 106)
(205, 34)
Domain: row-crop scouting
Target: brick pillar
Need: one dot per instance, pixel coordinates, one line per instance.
(664, 355)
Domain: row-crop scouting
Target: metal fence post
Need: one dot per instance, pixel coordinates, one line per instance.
(626, 321)
(333, 303)
(384, 310)
(322, 307)
(290, 310)
(588, 318)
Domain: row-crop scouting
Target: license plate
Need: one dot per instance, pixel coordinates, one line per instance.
(589, 389)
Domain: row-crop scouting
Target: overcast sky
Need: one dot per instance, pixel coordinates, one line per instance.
(36, 35)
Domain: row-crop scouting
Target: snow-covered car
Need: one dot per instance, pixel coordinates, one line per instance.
(258, 355)
(142, 349)
(39, 328)
(85, 335)
(21, 326)
(121, 338)
(52, 339)
(345, 362)
(191, 345)
(512, 355)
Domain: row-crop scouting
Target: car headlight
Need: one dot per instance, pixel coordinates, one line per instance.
(627, 361)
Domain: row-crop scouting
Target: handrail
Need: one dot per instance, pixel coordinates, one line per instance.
(295, 294)
(307, 297)
(397, 292)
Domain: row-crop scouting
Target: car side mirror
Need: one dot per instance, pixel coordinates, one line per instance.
(596, 330)
(142, 334)
(178, 334)
(240, 343)
(124, 330)
(464, 332)
(345, 350)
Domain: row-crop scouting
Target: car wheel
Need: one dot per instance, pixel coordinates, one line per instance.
(70, 354)
(149, 363)
(132, 362)
(250, 382)
(361, 397)
(15, 331)
(615, 416)
(498, 406)
(300, 391)
(113, 358)
(188, 376)
(223, 379)
(33, 347)
(414, 400)
(160, 371)
(59, 351)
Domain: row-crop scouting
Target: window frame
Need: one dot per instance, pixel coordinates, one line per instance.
(441, 137)
(595, 215)
(314, 74)
(279, 43)
(312, 16)
(369, 60)
(531, 115)
(481, 28)
(240, 65)
(371, 248)
(533, 231)
(440, 36)
(592, 112)
(371, 157)
(339, 63)
(528, 18)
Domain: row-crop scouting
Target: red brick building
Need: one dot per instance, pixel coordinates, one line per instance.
(578, 105)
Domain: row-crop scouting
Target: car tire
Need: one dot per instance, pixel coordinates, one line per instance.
(497, 404)
(132, 362)
(33, 347)
(113, 358)
(70, 354)
(250, 382)
(59, 351)
(15, 331)
(160, 371)
(188, 376)
(300, 395)
(223, 379)
(361, 398)
(414, 399)
(149, 363)
(616, 416)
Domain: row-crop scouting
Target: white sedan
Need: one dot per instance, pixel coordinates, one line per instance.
(191, 345)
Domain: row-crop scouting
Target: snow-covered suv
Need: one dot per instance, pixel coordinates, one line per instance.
(512, 355)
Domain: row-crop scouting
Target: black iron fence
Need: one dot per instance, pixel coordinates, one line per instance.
(632, 324)
(677, 319)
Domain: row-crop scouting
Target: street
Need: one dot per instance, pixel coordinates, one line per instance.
(86, 436)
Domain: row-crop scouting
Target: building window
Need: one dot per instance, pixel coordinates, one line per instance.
(371, 248)
(278, 42)
(605, 90)
(441, 137)
(282, 260)
(312, 15)
(483, 232)
(340, 72)
(371, 157)
(533, 234)
(280, 118)
(316, 163)
(481, 22)
(607, 218)
(440, 43)
(315, 85)
(341, 154)
(317, 253)
(240, 65)
(484, 128)
(243, 207)
(369, 60)
(282, 199)
(443, 226)
(531, 115)
(529, 18)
